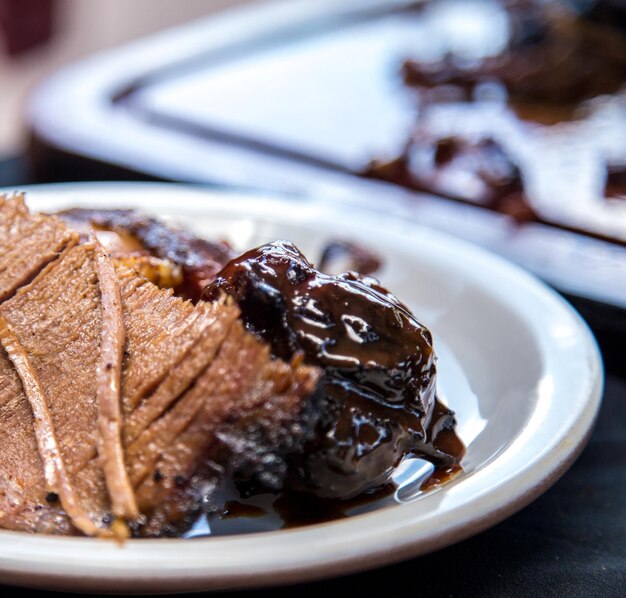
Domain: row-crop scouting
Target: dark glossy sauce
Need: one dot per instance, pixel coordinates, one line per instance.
(290, 509)
(441, 477)
(616, 183)
(297, 509)
(485, 125)
(379, 380)
(344, 256)
(234, 508)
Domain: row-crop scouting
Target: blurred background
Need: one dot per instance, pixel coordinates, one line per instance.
(499, 121)
(39, 36)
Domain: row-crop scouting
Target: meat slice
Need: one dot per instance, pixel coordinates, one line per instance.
(27, 243)
(163, 349)
(108, 388)
(246, 413)
(25, 500)
(124, 394)
(57, 321)
(202, 396)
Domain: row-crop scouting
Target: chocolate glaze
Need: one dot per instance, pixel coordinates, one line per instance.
(379, 365)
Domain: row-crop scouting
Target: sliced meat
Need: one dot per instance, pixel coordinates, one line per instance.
(127, 395)
(161, 334)
(57, 321)
(55, 473)
(27, 243)
(247, 423)
(108, 388)
(222, 404)
(26, 502)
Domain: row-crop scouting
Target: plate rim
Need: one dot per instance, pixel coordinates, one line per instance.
(24, 565)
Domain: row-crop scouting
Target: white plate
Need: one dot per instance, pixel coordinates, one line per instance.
(516, 363)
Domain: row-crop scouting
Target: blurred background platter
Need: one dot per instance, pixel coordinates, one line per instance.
(339, 100)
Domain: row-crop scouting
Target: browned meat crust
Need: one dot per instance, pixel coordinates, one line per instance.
(191, 380)
(199, 259)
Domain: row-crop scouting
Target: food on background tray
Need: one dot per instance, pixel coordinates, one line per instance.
(126, 407)
(558, 53)
(532, 129)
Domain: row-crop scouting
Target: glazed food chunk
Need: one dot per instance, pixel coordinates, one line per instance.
(379, 385)
(109, 447)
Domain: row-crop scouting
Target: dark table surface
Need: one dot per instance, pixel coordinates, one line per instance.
(569, 542)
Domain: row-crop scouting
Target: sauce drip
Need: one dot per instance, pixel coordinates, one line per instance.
(234, 508)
